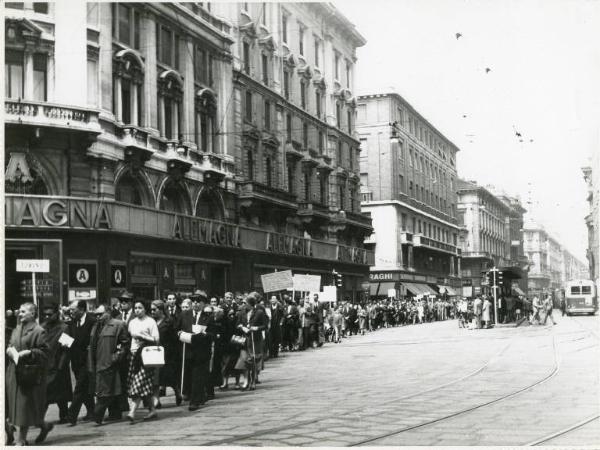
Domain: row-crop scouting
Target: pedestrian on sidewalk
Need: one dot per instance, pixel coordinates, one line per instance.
(477, 311)
(548, 306)
(486, 311)
(26, 396)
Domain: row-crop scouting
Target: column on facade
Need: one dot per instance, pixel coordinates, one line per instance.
(150, 110)
(329, 103)
(186, 50)
(28, 92)
(105, 59)
(410, 262)
(452, 265)
(281, 159)
(161, 115)
(118, 92)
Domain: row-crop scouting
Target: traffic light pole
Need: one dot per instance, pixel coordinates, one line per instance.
(495, 289)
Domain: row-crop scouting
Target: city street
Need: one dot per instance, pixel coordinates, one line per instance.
(431, 384)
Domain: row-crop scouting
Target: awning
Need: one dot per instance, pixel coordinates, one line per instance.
(418, 289)
(518, 290)
(383, 288)
(447, 290)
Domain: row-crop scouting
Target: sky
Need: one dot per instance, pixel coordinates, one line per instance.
(544, 82)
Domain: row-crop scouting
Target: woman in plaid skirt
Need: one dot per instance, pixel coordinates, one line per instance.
(141, 381)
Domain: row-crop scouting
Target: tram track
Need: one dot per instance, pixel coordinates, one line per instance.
(552, 374)
(268, 431)
(564, 431)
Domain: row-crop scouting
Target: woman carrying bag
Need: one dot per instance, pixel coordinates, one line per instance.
(141, 381)
(252, 324)
(27, 356)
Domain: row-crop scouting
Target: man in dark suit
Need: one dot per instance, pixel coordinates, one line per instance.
(290, 324)
(184, 323)
(172, 310)
(126, 303)
(276, 324)
(80, 329)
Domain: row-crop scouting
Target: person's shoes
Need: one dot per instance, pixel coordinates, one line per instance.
(130, 419)
(151, 416)
(44, 433)
(210, 396)
(193, 407)
(10, 434)
(114, 418)
(63, 421)
(257, 381)
(178, 399)
(237, 386)
(186, 398)
(18, 443)
(87, 418)
(158, 405)
(99, 422)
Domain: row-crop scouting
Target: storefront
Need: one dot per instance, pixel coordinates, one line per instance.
(97, 248)
(405, 284)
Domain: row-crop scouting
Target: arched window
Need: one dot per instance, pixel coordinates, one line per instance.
(23, 176)
(209, 206)
(128, 87)
(205, 117)
(172, 198)
(170, 96)
(128, 190)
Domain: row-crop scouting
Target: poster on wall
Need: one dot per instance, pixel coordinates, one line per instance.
(83, 281)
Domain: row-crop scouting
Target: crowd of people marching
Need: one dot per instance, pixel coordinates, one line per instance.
(206, 344)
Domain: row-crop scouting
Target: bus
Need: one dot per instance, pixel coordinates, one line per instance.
(581, 297)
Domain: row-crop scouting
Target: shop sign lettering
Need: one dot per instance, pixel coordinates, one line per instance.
(58, 213)
(289, 245)
(381, 276)
(205, 232)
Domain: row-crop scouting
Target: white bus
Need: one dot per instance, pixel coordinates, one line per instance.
(581, 297)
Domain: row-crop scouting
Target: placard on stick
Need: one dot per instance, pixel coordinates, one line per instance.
(307, 283)
(277, 281)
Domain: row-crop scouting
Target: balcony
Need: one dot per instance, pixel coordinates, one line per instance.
(313, 210)
(366, 196)
(406, 237)
(359, 219)
(42, 114)
(371, 239)
(253, 190)
(421, 241)
(137, 150)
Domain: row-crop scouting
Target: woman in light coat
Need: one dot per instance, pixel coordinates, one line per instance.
(27, 404)
(486, 312)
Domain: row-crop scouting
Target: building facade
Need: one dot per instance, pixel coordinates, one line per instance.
(552, 265)
(592, 220)
(125, 163)
(493, 237)
(408, 176)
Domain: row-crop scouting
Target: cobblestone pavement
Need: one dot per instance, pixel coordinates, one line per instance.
(396, 386)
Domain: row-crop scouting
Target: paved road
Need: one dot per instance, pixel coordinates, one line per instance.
(432, 384)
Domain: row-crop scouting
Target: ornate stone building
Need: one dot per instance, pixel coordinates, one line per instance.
(592, 220)
(126, 153)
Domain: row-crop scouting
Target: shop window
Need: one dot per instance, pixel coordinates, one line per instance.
(143, 267)
(126, 25)
(13, 74)
(128, 190)
(26, 180)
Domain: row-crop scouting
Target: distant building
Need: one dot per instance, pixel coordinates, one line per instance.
(551, 263)
(591, 175)
(408, 186)
(493, 226)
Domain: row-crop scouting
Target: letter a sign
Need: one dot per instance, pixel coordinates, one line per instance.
(82, 275)
(118, 275)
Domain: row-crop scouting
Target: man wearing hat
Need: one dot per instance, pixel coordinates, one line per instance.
(125, 300)
(109, 343)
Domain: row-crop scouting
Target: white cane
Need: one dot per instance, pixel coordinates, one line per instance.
(182, 369)
(253, 356)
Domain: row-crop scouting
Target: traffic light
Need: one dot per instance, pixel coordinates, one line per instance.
(337, 278)
(499, 278)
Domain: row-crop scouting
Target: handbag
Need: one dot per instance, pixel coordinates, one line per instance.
(29, 375)
(238, 341)
(153, 356)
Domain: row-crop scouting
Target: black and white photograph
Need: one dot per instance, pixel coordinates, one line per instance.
(301, 224)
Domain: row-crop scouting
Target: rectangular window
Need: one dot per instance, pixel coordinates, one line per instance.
(166, 42)
(286, 84)
(284, 28)
(211, 79)
(336, 66)
(318, 103)
(176, 51)
(290, 180)
(321, 142)
(246, 56)
(40, 7)
(305, 135)
(348, 72)
(301, 39)
(288, 125)
(323, 190)
(265, 69)
(123, 20)
(249, 106)
(342, 194)
(339, 153)
(92, 82)
(14, 5)
(349, 118)
(303, 94)
(40, 81)
(317, 51)
(338, 115)
(267, 115)
(351, 158)
(13, 74)
(401, 183)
